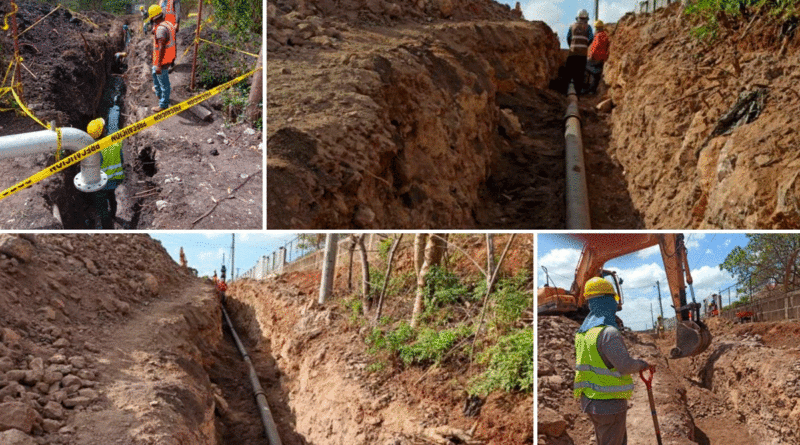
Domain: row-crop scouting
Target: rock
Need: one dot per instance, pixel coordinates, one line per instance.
(16, 375)
(445, 7)
(10, 336)
(75, 402)
(364, 216)
(53, 410)
(43, 388)
(61, 343)
(545, 368)
(4, 351)
(6, 364)
(151, 284)
(90, 266)
(86, 375)
(77, 362)
(763, 160)
(37, 364)
(605, 106)
(16, 437)
(16, 247)
(89, 394)
(551, 423)
(18, 415)
(50, 425)
(58, 358)
(71, 380)
(13, 390)
(510, 123)
(51, 377)
(161, 204)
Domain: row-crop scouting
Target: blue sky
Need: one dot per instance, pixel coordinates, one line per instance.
(204, 250)
(559, 14)
(640, 271)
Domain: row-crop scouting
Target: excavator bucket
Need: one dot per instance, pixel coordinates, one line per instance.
(691, 338)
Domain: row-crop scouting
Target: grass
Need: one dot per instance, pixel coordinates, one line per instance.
(713, 14)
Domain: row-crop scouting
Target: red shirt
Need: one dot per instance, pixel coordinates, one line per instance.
(599, 48)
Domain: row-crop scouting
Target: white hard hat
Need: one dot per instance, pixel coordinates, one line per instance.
(583, 14)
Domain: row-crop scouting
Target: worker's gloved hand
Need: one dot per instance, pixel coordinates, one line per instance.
(158, 70)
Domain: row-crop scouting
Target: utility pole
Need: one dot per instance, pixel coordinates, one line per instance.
(652, 320)
(660, 306)
(328, 267)
(233, 245)
(597, 9)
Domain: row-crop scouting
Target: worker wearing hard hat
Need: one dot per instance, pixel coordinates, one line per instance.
(602, 365)
(113, 167)
(579, 37)
(164, 53)
(597, 55)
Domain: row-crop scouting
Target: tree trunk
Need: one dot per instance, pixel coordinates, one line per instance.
(350, 249)
(432, 256)
(489, 259)
(388, 275)
(252, 112)
(366, 298)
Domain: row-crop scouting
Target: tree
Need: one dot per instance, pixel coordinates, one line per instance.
(366, 298)
(310, 241)
(765, 258)
(253, 111)
(388, 276)
(241, 17)
(432, 256)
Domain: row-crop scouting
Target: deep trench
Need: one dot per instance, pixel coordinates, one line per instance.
(75, 209)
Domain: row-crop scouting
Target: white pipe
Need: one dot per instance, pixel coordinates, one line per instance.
(26, 144)
(577, 191)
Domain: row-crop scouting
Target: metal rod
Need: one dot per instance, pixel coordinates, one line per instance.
(18, 77)
(261, 398)
(577, 193)
(196, 42)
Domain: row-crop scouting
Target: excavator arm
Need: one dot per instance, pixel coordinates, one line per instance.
(692, 336)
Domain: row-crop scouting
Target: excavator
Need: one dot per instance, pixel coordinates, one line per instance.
(692, 336)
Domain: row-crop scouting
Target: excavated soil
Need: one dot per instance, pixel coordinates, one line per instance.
(166, 165)
(323, 369)
(686, 160)
(106, 340)
(739, 391)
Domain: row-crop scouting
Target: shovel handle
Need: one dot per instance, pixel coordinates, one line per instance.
(647, 380)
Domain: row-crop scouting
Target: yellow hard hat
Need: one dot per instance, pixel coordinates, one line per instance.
(95, 128)
(598, 24)
(597, 287)
(153, 12)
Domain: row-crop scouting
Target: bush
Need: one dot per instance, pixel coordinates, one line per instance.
(711, 11)
(390, 340)
(512, 298)
(510, 364)
(444, 287)
(431, 345)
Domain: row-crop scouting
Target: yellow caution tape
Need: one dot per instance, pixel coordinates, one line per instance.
(58, 147)
(82, 17)
(26, 110)
(5, 25)
(228, 47)
(121, 135)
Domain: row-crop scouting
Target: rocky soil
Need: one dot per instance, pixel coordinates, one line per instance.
(410, 114)
(687, 161)
(737, 392)
(176, 172)
(106, 340)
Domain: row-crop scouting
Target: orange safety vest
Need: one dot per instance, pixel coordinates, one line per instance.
(169, 51)
(169, 11)
(221, 286)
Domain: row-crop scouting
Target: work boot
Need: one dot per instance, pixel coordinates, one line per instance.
(157, 109)
(153, 88)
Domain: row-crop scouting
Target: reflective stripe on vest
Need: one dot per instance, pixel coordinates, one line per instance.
(169, 11)
(169, 50)
(112, 162)
(592, 376)
(579, 44)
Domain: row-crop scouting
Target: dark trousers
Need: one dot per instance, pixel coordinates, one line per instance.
(610, 429)
(576, 68)
(106, 204)
(595, 70)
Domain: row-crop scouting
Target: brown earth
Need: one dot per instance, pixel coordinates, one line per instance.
(324, 366)
(106, 340)
(671, 91)
(410, 114)
(718, 397)
(166, 165)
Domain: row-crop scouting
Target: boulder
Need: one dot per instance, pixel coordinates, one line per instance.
(16, 437)
(18, 415)
(510, 123)
(551, 423)
(16, 247)
(151, 284)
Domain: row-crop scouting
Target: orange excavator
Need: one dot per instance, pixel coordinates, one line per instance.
(692, 335)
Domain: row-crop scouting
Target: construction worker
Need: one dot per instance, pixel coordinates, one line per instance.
(112, 165)
(163, 55)
(579, 37)
(602, 366)
(598, 54)
(221, 286)
(172, 12)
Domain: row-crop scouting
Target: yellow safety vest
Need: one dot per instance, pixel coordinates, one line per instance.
(112, 164)
(592, 376)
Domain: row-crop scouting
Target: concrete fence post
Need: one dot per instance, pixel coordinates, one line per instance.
(329, 267)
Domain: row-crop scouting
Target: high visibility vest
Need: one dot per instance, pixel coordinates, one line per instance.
(592, 376)
(579, 45)
(169, 51)
(168, 8)
(112, 164)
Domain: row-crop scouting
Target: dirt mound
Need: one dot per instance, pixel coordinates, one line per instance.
(703, 132)
(400, 125)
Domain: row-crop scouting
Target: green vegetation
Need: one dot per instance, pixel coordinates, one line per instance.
(715, 13)
(510, 364)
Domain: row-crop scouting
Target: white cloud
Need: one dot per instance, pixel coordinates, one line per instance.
(652, 250)
(611, 12)
(692, 241)
(708, 251)
(549, 12)
(727, 242)
(560, 264)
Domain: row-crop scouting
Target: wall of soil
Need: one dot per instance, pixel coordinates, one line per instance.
(391, 127)
(684, 159)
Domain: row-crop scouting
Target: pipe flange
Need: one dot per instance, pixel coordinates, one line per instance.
(81, 184)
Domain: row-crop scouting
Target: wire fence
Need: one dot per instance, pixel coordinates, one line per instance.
(653, 5)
